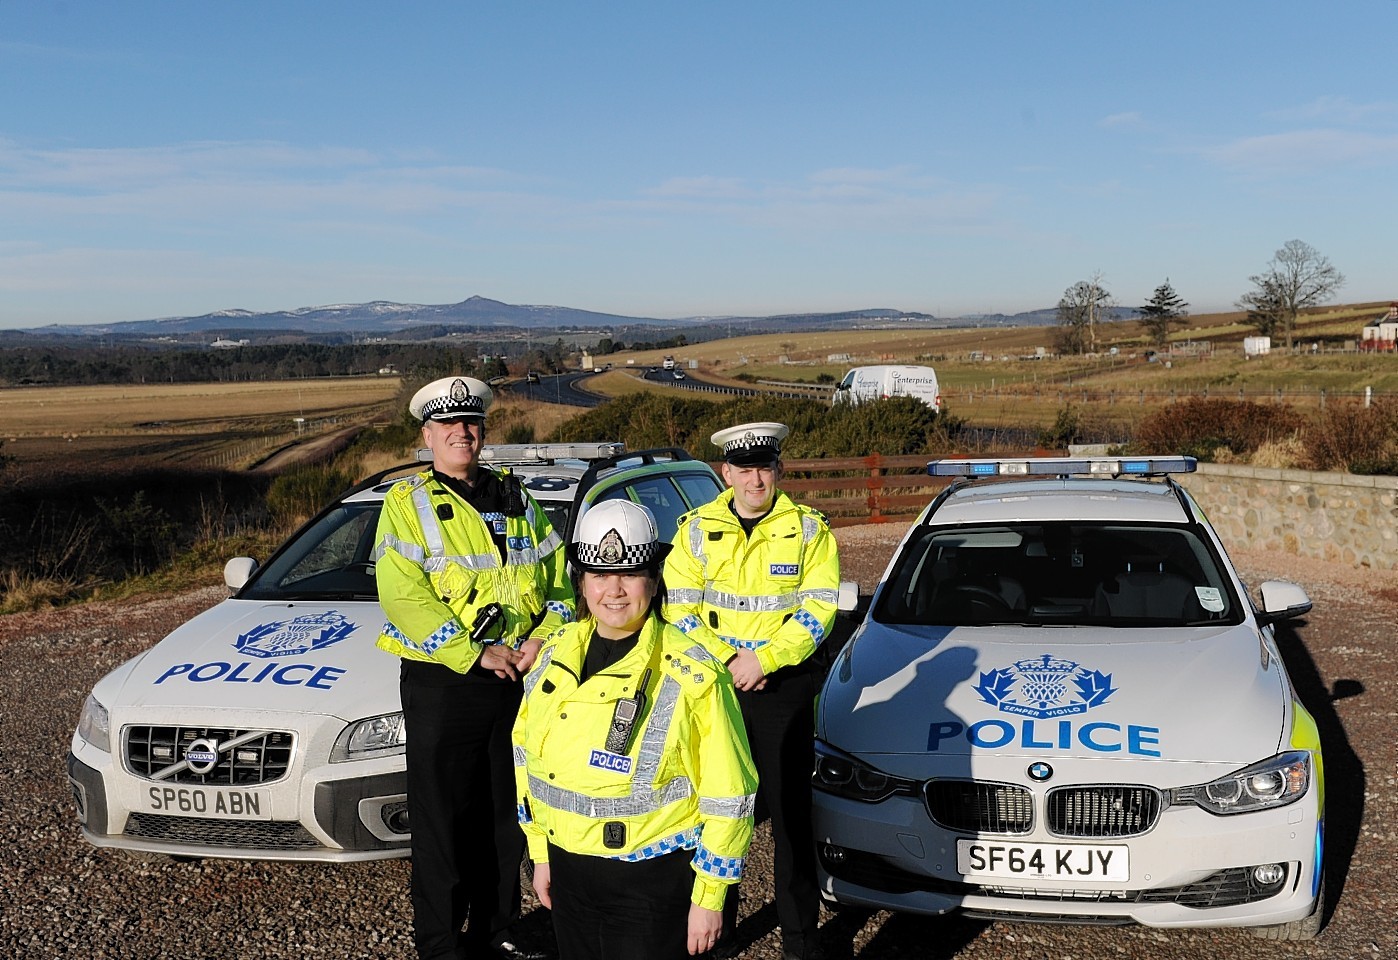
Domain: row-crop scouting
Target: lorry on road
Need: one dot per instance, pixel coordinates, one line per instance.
(863, 384)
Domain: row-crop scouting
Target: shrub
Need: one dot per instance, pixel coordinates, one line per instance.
(298, 495)
(1354, 439)
(139, 535)
(1203, 428)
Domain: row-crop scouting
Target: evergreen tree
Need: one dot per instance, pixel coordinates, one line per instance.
(1162, 311)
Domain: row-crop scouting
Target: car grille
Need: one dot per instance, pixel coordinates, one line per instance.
(972, 806)
(260, 756)
(1102, 811)
(247, 834)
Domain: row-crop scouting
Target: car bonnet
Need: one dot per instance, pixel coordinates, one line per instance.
(253, 655)
(1202, 695)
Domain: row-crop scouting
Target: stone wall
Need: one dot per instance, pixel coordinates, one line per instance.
(1328, 516)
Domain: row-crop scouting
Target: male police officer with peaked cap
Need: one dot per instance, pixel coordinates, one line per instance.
(471, 577)
(755, 578)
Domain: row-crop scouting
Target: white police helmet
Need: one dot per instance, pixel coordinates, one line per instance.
(452, 397)
(617, 536)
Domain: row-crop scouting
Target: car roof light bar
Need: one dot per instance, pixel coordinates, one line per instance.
(1062, 466)
(539, 452)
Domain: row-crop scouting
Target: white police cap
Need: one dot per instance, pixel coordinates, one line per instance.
(451, 397)
(617, 536)
(751, 444)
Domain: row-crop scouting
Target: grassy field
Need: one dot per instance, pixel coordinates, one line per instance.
(986, 378)
(64, 428)
(219, 422)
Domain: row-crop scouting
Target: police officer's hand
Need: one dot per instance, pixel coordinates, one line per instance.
(704, 927)
(747, 671)
(542, 881)
(528, 651)
(502, 659)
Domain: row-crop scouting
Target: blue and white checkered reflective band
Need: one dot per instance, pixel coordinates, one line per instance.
(722, 868)
(805, 618)
(560, 608)
(495, 520)
(522, 813)
(737, 644)
(432, 644)
(689, 624)
(687, 840)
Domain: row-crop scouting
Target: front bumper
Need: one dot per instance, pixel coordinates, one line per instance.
(358, 814)
(1191, 869)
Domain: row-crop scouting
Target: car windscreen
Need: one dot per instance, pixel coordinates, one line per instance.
(331, 559)
(1098, 574)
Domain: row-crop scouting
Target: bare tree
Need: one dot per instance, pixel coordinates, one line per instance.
(1265, 306)
(1083, 305)
(1163, 310)
(1297, 277)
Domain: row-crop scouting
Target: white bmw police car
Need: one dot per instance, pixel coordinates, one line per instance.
(269, 727)
(1064, 705)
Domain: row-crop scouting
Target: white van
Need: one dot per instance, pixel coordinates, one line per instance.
(863, 384)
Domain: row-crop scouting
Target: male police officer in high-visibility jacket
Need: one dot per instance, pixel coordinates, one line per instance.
(471, 577)
(755, 577)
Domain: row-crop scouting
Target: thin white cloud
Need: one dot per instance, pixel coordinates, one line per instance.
(1306, 151)
(847, 198)
(1129, 119)
(1337, 110)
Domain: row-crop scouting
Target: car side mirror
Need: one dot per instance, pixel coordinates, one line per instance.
(237, 572)
(1282, 600)
(848, 598)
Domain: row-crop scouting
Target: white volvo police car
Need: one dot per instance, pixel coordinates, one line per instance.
(269, 727)
(1063, 705)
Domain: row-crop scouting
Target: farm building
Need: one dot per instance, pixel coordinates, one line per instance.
(1382, 337)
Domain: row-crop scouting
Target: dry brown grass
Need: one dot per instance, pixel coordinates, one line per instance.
(182, 407)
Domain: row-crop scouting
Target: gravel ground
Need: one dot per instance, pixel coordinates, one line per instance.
(60, 897)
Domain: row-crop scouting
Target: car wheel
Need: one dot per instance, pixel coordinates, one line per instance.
(1306, 929)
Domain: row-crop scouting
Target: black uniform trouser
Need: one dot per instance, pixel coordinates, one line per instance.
(780, 721)
(466, 841)
(606, 909)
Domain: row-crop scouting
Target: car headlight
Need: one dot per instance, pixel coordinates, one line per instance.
(1262, 786)
(841, 774)
(375, 737)
(94, 725)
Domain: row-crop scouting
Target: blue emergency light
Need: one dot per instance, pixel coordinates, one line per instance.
(1062, 467)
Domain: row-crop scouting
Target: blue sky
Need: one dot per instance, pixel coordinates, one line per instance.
(655, 159)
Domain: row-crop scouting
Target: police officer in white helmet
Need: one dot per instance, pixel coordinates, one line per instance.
(635, 783)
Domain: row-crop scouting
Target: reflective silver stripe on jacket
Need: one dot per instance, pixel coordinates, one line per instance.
(427, 520)
(696, 542)
(532, 677)
(747, 603)
(734, 807)
(521, 758)
(810, 528)
(404, 548)
(684, 595)
(472, 561)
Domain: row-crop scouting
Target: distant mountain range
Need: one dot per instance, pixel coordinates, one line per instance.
(381, 318)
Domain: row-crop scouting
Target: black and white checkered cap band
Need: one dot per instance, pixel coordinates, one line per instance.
(611, 553)
(463, 405)
(754, 442)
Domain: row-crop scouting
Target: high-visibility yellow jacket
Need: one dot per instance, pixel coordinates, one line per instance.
(436, 574)
(773, 592)
(685, 780)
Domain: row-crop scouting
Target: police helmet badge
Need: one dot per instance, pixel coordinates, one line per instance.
(611, 549)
